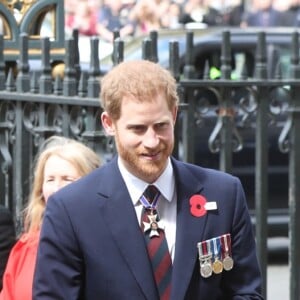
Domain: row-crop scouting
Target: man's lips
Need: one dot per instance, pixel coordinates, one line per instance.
(151, 156)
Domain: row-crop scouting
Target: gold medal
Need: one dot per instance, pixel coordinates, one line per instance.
(217, 266)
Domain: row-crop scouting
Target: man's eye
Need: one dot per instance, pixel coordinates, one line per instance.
(138, 128)
(162, 126)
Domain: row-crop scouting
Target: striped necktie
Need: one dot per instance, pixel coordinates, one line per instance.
(156, 242)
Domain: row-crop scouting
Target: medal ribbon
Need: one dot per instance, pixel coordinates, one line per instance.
(149, 205)
(204, 248)
(216, 246)
(226, 244)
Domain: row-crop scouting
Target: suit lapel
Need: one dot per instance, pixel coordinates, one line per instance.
(188, 233)
(121, 219)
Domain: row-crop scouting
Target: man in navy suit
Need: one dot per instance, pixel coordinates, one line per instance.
(7, 238)
(92, 244)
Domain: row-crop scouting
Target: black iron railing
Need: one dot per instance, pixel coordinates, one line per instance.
(235, 125)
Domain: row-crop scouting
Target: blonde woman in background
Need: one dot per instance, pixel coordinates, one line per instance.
(59, 162)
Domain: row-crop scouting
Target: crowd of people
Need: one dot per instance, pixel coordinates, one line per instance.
(135, 17)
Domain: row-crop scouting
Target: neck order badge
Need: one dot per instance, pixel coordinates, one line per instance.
(156, 242)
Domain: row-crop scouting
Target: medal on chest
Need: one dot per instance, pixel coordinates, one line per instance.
(153, 225)
(205, 257)
(217, 263)
(226, 248)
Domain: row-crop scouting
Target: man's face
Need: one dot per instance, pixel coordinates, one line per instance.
(144, 136)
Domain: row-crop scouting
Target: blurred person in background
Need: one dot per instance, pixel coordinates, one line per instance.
(170, 17)
(262, 14)
(230, 10)
(291, 16)
(113, 17)
(59, 162)
(282, 6)
(192, 11)
(7, 238)
(84, 19)
(201, 12)
(70, 10)
(145, 16)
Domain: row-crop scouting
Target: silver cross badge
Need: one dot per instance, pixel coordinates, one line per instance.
(153, 225)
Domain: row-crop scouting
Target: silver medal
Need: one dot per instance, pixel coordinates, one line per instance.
(227, 260)
(205, 260)
(227, 263)
(206, 269)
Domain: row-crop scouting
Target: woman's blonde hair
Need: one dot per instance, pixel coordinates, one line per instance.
(80, 156)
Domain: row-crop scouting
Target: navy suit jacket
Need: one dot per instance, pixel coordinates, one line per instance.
(92, 247)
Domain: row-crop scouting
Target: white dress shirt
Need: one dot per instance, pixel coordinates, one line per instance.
(167, 203)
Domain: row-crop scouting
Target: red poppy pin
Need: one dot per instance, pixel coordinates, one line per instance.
(197, 204)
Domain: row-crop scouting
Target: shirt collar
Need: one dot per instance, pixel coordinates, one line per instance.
(165, 183)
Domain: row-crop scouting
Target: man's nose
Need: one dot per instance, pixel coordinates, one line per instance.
(151, 139)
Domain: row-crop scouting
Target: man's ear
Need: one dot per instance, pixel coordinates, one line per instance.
(175, 111)
(107, 124)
